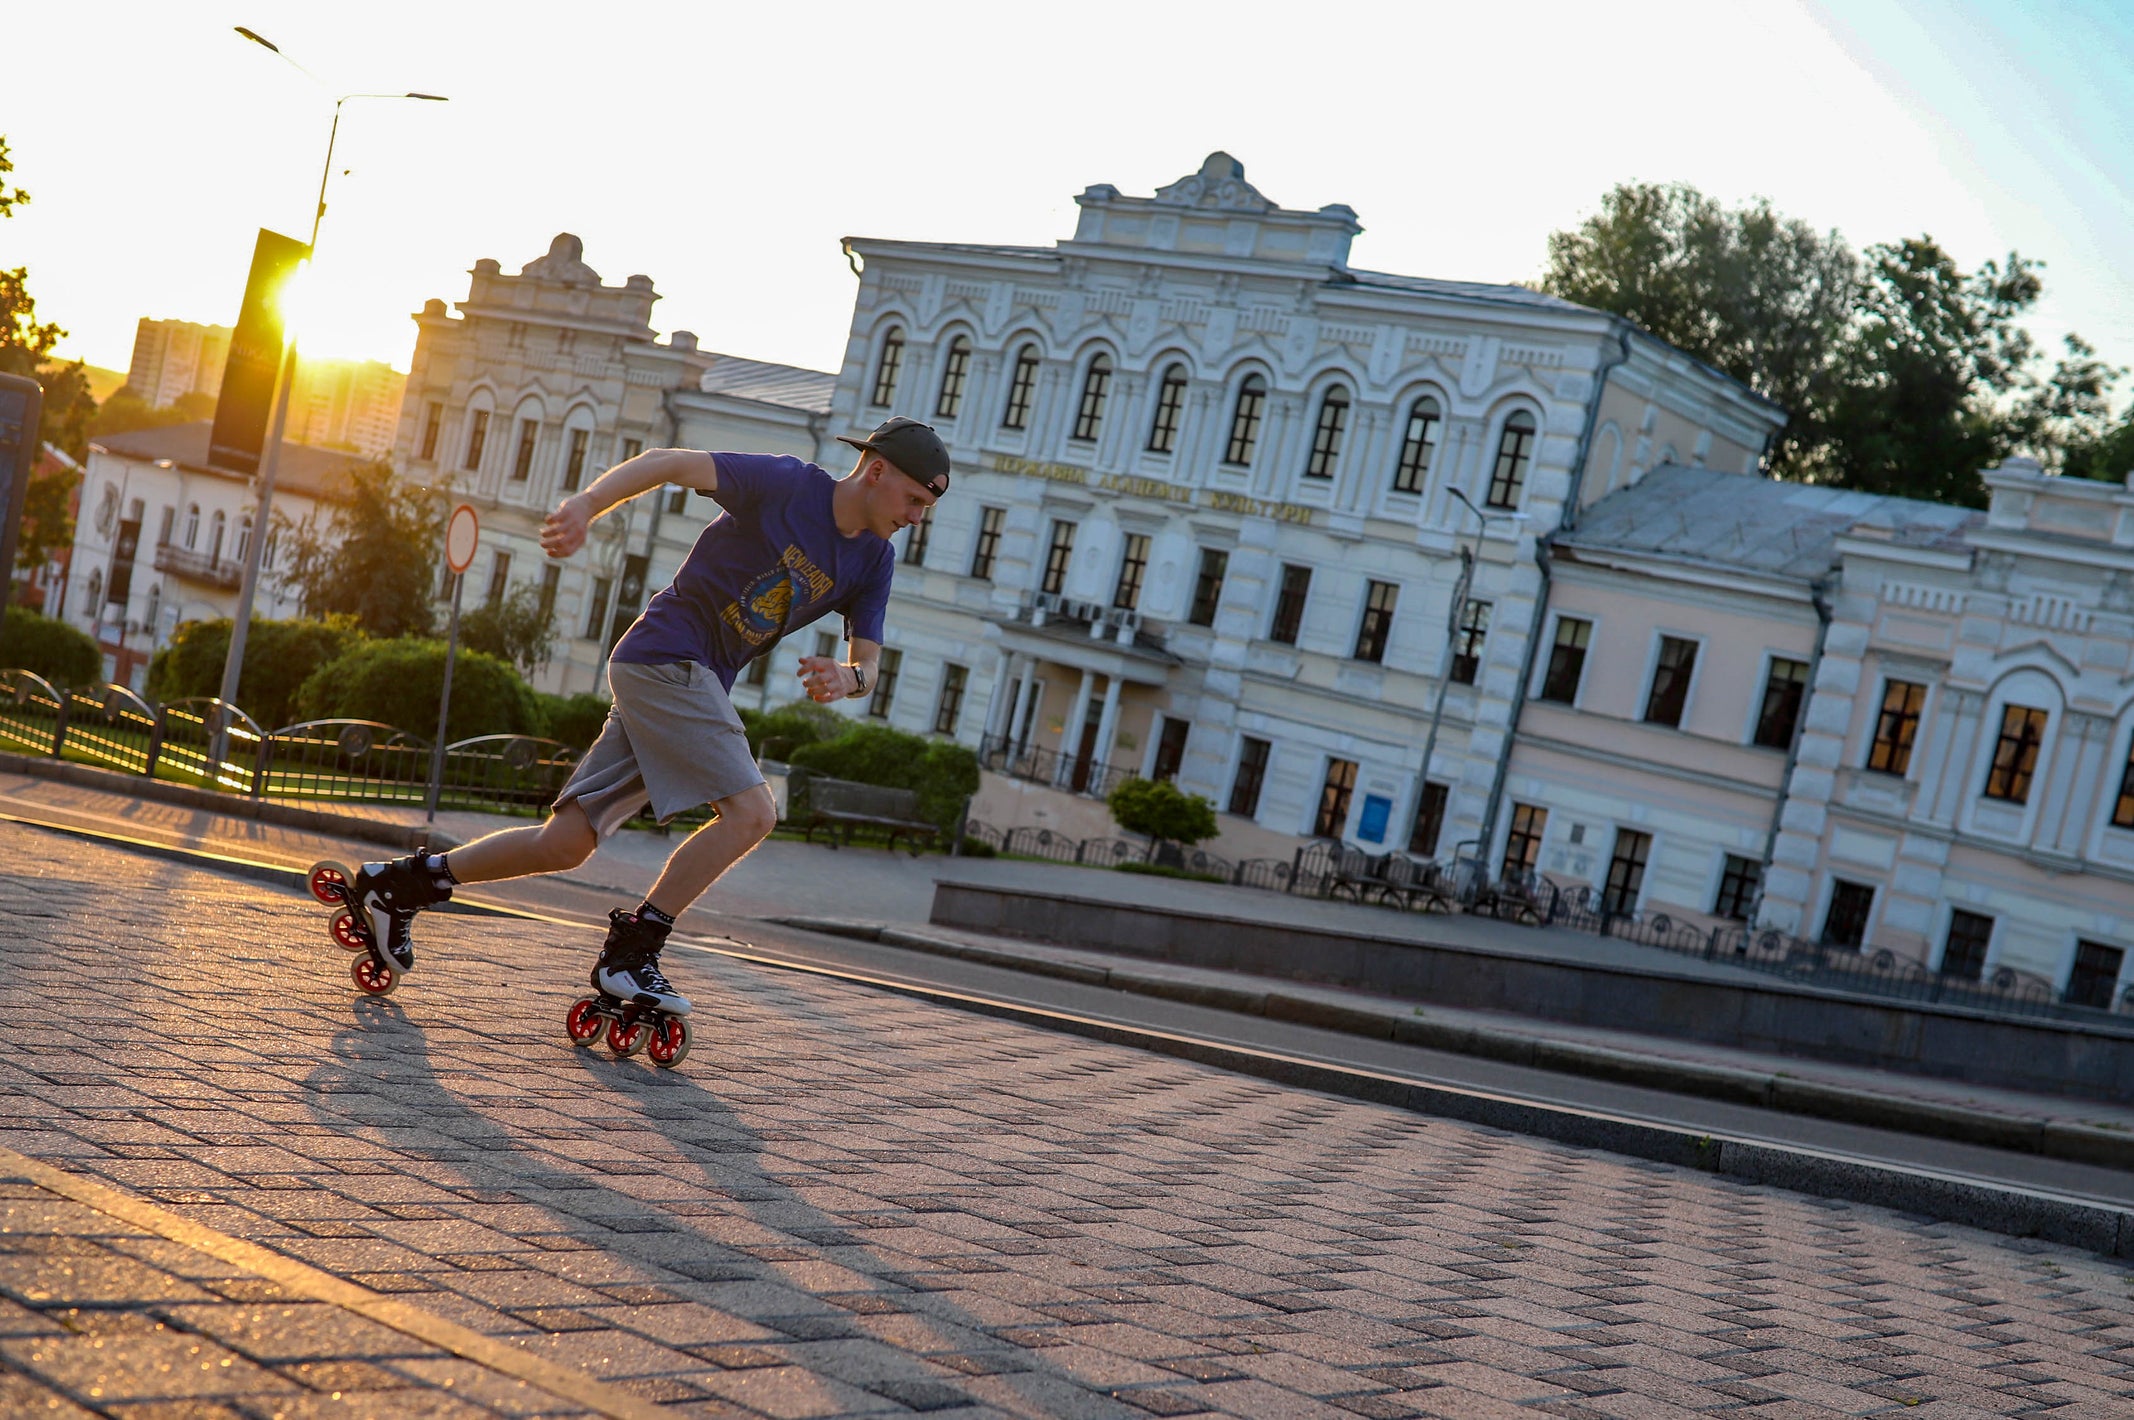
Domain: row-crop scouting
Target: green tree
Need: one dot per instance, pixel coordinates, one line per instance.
(42, 646)
(47, 516)
(2108, 455)
(1763, 297)
(279, 657)
(518, 627)
(1161, 811)
(25, 344)
(377, 558)
(126, 411)
(401, 682)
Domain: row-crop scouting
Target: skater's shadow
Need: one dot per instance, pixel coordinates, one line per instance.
(380, 1081)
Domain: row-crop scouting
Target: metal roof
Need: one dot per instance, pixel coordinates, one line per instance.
(1468, 291)
(759, 380)
(1764, 525)
(302, 468)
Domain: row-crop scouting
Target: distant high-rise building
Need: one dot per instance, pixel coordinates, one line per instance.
(346, 404)
(177, 357)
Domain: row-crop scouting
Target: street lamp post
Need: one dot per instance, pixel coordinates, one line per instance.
(270, 457)
(1460, 589)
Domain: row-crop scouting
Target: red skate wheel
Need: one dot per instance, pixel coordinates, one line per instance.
(585, 1022)
(669, 1045)
(347, 932)
(328, 882)
(372, 978)
(628, 1038)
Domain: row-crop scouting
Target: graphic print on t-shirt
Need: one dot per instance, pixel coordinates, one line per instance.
(766, 603)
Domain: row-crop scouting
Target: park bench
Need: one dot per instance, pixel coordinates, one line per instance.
(843, 805)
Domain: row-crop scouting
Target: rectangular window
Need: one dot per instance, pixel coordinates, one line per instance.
(1334, 798)
(477, 435)
(1845, 923)
(826, 645)
(1021, 385)
(915, 543)
(1896, 727)
(1132, 563)
(596, 607)
(1377, 623)
(677, 498)
(1170, 748)
(1208, 586)
(499, 578)
(2122, 810)
(885, 685)
(2095, 976)
(1326, 435)
(954, 370)
(1170, 402)
(1784, 689)
(1522, 846)
(170, 516)
(631, 448)
(1514, 450)
(950, 706)
(1670, 681)
(2015, 754)
(551, 575)
(1429, 821)
(1289, 604)
(1738, 883)
(522, 461)
(1089, 414)
(574, 461)
(1245, 422)
(433, 419)
(989, 521)
(758, 673)
(885, 374)
(1056, 557)
(1251, 773)
(1567, 660)
(1963, 951)
(1467, 646)
(1626, 872)
(1416, 446)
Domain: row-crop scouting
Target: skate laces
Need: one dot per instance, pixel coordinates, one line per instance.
(649, 976)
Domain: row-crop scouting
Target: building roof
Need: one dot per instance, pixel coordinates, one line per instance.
(1469, 291)
(301, 468)
(1765, 525)
(759, 380)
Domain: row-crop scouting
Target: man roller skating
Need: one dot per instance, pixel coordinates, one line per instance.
(792, 545)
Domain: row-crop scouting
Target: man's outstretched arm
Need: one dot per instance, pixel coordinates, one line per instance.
(563, 531)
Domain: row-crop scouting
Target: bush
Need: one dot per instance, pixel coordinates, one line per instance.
(279, 657)
(401, 681)
(52, 649)
(944, 773)
(1161, 810)
(776, 733)
(573, 719)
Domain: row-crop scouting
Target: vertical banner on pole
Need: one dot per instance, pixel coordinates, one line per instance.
(462, 535)
(21, 411)
(246, 403)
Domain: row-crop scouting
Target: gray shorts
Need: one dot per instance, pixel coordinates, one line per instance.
(672, 740)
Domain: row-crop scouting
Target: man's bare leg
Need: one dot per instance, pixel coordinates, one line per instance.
(565, 840)
(744, 821)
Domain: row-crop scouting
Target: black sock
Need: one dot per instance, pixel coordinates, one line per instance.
(646, 912)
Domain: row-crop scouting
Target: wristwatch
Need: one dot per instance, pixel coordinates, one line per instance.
(859, 680)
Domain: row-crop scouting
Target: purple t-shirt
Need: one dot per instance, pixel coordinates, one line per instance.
(770, 564)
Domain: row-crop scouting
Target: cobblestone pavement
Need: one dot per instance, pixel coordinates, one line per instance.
(848, 1202)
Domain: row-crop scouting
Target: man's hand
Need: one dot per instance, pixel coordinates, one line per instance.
(563, 531)
(826, 680)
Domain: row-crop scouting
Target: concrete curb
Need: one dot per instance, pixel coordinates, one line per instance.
(135, 786)
(2042, 1135)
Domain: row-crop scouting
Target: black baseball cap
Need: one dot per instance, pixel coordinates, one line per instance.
(913, 447)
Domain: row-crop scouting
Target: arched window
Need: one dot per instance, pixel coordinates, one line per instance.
(244, 538)
(266, 554)
(1515, 449)
(1326, 437)
(96, 593)
(885, 370)
(1245, 421)
(1417, 445)
(1022, 385)
(953, 371)
(192, 526)
(1089, 415)
(1170, 403)
(214, 541)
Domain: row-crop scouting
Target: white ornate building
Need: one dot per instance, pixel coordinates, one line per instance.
(1208, 517)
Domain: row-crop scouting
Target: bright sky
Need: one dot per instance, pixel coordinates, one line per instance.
(723, 149)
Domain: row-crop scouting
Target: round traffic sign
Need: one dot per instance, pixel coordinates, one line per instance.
(461, 534)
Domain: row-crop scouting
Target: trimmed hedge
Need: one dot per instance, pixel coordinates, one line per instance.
(60, 653)
(573, 719)
(279, 657)
(944, 773)
(402, 680)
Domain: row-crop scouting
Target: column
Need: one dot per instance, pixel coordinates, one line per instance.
(1003, 697)
(1071, 732)
(1107, 724)
(1017, 716)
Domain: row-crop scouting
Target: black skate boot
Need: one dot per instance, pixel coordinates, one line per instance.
(389, 895)
(628, 968)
